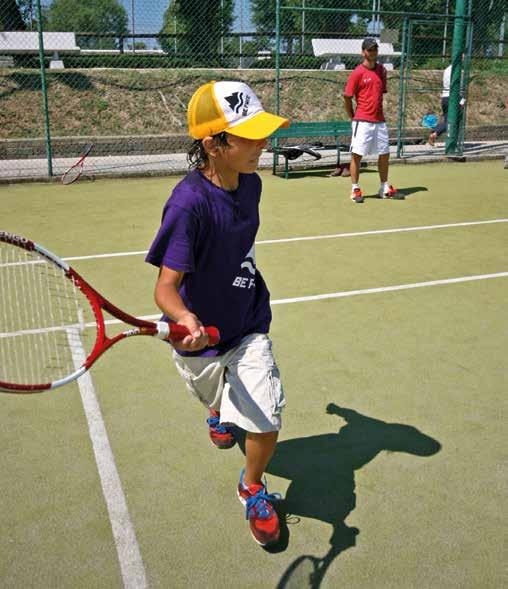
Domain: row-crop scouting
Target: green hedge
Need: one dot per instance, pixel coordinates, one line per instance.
(479, 64)
(124, 61)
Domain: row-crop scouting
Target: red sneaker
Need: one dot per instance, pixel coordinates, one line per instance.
(356, 195)
(263, 519)
(219, 434)
(390, 192)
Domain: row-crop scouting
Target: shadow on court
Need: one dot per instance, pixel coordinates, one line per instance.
(321, 470)
(408, 191)
(320, 172)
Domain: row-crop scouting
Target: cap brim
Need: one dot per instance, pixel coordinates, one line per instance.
(260, 126)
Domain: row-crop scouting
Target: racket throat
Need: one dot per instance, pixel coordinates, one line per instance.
(163, 330)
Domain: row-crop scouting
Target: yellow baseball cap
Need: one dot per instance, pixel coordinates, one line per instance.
(232, 107)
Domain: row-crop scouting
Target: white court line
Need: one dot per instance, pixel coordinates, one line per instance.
(352, 293)
(332, 295)
(287, 240)
(316, 237)
(382, 231)
(127, 548)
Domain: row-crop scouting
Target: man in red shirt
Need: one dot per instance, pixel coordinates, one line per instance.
(367, 84)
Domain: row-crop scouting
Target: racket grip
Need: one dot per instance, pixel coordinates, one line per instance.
(213, 335)
(175, 332)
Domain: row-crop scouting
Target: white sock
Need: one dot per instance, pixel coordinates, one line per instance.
(355, 186)
(385, 186)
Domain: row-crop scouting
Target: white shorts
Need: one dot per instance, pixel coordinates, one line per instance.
(369, 138)
(243, 384)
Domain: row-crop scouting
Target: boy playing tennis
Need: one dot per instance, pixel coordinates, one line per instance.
(207, 276)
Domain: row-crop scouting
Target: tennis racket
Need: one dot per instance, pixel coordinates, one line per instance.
(293, 152)
(75, 171)
(52, 326)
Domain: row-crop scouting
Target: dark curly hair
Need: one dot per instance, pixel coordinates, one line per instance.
(197, 156)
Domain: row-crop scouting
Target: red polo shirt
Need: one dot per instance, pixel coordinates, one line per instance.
(367, 88)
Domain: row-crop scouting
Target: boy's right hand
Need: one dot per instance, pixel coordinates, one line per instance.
(198, 338)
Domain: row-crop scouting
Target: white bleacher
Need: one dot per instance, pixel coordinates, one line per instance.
(27, 42)
(335, 49)
(124, 52)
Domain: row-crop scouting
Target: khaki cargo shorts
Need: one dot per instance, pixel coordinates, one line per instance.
(243, 384)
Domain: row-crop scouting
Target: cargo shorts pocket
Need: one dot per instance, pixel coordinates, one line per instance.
(203, 378)
(276, 391)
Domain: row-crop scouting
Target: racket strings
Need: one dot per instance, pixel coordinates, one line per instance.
(72, 174)
(42, 318)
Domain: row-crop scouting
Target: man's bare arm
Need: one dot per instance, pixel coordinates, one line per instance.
(348, 105)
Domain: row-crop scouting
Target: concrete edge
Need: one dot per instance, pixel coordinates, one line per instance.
(416, 160)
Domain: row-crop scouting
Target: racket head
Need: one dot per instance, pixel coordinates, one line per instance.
(52, 327)
(43, 315)
(72, 174)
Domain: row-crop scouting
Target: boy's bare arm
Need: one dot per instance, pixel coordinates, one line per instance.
(348, 105)
(170, 302)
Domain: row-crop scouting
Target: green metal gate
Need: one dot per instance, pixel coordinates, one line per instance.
(413, 81)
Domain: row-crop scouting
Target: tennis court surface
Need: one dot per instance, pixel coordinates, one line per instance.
(390, 329)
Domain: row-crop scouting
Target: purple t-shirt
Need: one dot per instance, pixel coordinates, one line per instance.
(208, 233)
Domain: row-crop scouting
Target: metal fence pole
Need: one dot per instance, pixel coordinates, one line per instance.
(452, 146)
(44, 90)
(465, 82)
(277, 56)
(402, 88)
(275, 142)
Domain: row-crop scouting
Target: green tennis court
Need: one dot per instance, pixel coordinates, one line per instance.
(390, 329)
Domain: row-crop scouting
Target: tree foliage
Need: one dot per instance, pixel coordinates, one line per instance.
(10, 17)
(487, 18)
(200, 25)
(293, 23)
(94, 16)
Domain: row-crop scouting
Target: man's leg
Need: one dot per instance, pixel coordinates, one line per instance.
(354, 168)
(386, 190)
(382, 147)
(383, 163)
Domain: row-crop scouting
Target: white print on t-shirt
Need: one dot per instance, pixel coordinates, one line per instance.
(249, 264)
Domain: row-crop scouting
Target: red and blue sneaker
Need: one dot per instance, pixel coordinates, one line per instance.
(220, 436)
(263, 519)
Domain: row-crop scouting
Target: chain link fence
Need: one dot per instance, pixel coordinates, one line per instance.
(119, 73)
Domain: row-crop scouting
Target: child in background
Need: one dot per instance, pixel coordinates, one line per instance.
(205, 253)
